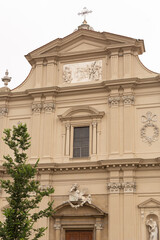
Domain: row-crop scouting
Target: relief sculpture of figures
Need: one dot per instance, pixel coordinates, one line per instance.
(152, 229)
(67, 75)
(82, 72)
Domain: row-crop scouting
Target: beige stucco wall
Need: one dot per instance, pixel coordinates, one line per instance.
(122, 171)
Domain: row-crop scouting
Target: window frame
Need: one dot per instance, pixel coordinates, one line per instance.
(80, 116)
(72, 138)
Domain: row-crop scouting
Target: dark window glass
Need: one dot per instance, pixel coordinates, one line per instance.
(81, 142)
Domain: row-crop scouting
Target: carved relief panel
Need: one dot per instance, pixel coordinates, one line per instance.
(82, 72)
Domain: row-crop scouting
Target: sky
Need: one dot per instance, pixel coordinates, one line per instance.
(26, 25)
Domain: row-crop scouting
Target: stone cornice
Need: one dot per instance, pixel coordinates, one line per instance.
(104, 165)
(82, 54)
(108, 165)
(81, 88)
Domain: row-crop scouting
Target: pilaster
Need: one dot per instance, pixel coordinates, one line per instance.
(114, 101)
(48, 112)
(114, 206)
(114, 65)
(51, 72)
(57, 227)
(3, 124)
(98, 228)
(94, 137)
(67, 143)
(128, 100)
(127, 63)
(129, 187)
(36, 126)
(39, 73)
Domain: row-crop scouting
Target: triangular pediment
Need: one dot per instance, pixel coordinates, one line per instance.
(150, 203)
(77, 47)
(83, 46)
(86, 210)
(84, 41)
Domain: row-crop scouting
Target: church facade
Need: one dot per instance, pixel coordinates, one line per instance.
(93, 112)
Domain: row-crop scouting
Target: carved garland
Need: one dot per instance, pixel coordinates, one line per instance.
(148, 121)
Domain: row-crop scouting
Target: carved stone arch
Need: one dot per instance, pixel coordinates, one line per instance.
(88, 217)
(81, 112)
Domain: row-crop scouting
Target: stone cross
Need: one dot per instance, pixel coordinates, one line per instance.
(84, 12)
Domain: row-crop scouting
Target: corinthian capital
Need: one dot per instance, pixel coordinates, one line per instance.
(98, 226)
(129, 187)
(36, 107)
(48, 106)
(57, 226)
(128, 99)
(114, 101)
(114, 187)
(3, 111)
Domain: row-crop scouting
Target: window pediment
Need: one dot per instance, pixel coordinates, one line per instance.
(150, 203)
(81, 112)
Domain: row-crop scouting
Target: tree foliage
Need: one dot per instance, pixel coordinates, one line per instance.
(23, 191)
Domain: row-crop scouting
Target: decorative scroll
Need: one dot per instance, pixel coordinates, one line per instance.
(149, 125)
(78, 198)
(82, 72)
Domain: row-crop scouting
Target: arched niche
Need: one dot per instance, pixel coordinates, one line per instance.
(88, 217)
(149, 209)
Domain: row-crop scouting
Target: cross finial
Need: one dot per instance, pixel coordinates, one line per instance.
(84, 12)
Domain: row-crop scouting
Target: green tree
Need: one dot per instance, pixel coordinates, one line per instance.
(23, 191)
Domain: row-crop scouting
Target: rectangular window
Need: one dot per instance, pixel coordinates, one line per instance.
(81, 142)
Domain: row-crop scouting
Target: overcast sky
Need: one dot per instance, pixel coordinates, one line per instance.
(28, 24)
